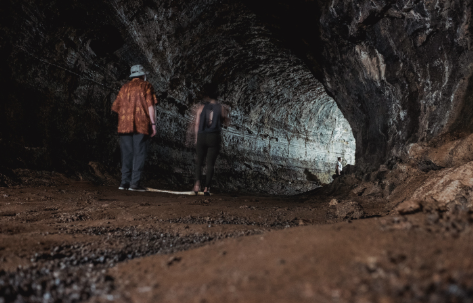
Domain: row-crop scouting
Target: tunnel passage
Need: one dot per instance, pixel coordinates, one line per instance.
(391, 66)
(284, 124)
(67, 62)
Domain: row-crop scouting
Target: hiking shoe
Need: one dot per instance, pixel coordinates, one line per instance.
(124, 186)
(137, 188)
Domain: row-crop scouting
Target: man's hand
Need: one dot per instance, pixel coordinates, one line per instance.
(153, 127)
(152, 118)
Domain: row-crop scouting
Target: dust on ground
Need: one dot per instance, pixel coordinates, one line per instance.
(69, 241)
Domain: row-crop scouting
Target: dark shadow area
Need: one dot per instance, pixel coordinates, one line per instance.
(311, 177)
(106, 41)
(295, 25)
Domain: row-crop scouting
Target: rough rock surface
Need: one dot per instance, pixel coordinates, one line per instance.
(447, 189)
(66, 61)
(439, 154)
(430, 177)
(400, 71)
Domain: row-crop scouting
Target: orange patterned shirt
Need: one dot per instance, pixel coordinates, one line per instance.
(132, 105)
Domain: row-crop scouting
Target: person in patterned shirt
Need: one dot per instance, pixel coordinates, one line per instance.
(136, 124)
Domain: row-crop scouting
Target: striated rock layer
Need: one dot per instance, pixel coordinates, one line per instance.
(65, 62)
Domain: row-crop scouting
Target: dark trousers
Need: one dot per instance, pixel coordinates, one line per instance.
(208, 145)
(134, 148)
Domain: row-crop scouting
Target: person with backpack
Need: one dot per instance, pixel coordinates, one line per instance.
(211, 116)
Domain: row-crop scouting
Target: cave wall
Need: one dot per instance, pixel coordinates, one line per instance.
(66, 61)
(400, 71)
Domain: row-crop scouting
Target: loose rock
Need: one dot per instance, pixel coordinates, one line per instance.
(408, 207)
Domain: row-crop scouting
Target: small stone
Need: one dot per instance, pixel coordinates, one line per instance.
(173, 259)
(333, 202)
(408, 207)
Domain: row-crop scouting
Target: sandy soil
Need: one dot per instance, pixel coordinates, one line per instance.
(67, 241)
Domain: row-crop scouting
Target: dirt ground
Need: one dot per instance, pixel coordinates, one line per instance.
(70, 241)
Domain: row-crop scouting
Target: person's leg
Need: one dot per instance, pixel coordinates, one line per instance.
(140, 149)
(214, 141)
(126, 148)
(201, 150)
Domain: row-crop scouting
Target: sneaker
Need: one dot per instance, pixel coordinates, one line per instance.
(137, 188)
(124, 186)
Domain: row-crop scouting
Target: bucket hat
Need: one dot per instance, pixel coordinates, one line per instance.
(137, 71)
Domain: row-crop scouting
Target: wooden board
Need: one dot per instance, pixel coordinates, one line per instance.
(189, 193)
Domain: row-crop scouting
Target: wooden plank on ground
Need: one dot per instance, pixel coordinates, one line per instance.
(189, 193)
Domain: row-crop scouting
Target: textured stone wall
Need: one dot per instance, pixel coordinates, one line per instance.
(399, 70)
(66, 62)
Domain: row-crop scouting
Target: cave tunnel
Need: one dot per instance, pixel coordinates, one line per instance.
(287, 132)
(303, 83)
(384, 84)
